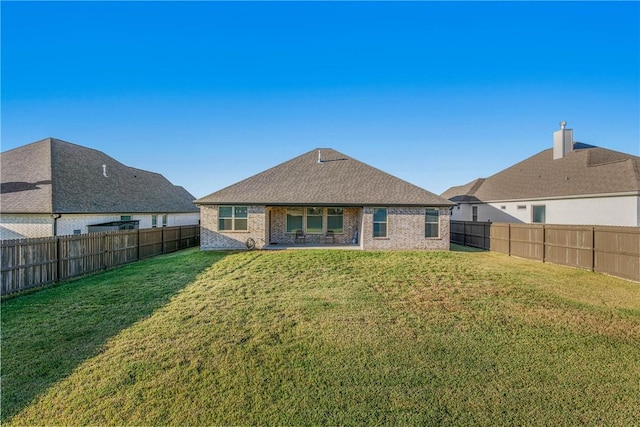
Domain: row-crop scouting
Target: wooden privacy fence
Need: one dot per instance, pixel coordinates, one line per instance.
(606, 249)
(29, 263)
(468, 233)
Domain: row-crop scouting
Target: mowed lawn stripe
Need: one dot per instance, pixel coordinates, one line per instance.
(46, 334)
(347, 337)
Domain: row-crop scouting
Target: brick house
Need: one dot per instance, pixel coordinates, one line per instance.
(570, 183)
(324, 197)
(52, 187)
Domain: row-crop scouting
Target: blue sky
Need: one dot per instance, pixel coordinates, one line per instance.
(209, 93)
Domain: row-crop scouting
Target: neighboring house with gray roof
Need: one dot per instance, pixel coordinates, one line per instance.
(52, 187)
(319, 192)
(571, 183)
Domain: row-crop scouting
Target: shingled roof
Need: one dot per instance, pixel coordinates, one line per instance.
(587, 170)
(54, 176)
(324, 177)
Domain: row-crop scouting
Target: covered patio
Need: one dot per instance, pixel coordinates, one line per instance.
(308, 226)
(301, 246)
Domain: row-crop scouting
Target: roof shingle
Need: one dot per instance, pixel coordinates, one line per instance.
(336, 180)
(54, 176)
(585, 171)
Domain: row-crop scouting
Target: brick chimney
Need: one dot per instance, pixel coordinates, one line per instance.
(562, 141)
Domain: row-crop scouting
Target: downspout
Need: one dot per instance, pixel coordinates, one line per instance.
(55, 223)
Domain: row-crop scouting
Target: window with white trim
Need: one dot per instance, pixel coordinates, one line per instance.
(164, 220)
(432, 223)
(232, 218)
(538, 213)
(379, 222)
(154, 221)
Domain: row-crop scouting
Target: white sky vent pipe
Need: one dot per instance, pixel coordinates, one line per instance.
(104, 171)
(319, 156)
(562, 141)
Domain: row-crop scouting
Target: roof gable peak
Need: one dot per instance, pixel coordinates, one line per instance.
(324, 176)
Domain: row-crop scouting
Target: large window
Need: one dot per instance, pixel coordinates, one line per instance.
(335, 220)
(232, 218)
(380, 222)
(294, 220)
(314, 220)
(539, 213)
(432, 223)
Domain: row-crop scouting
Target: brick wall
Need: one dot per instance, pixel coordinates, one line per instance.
(405, 230)
(211, 238)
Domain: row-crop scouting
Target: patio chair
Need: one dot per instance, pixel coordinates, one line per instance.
(300, 237)
(329, 236)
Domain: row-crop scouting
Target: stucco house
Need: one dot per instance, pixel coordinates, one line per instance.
(570, 183)
(324, 197)
(52, 187)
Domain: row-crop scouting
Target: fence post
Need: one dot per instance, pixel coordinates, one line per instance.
(544, 242)
(104, 252)
(58, 259)
(593, 249)
(464, 233)
(484, 236)
(509, 239)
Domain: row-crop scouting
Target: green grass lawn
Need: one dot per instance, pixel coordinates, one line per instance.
(325, 337)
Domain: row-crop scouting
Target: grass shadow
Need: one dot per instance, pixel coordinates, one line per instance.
(455, 247)
(47, 334)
